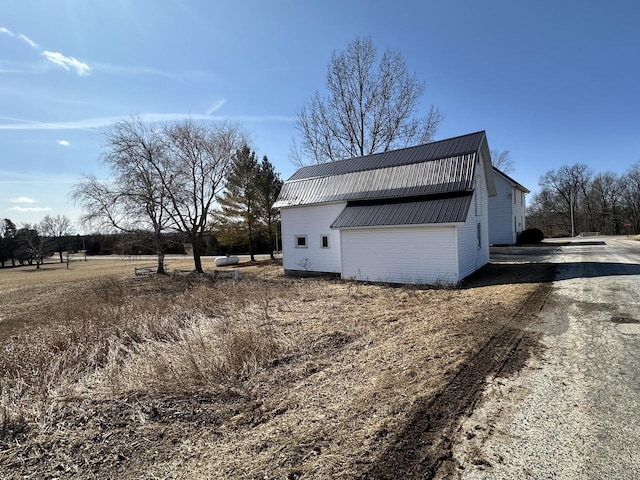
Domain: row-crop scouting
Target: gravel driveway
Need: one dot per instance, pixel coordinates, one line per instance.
(574, 411)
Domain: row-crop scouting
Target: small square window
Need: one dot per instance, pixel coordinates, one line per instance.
(301, 241)
(324, 241)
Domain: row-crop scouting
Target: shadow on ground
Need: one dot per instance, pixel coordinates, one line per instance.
(515, 273)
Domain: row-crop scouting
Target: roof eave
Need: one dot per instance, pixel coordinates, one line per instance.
(488, 168)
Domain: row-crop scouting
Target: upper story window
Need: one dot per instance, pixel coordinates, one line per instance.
(324, 241)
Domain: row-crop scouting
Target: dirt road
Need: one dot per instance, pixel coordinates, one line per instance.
(574, 411)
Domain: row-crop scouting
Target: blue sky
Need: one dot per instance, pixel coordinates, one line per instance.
(553, 82)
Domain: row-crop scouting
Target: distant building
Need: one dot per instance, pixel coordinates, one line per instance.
(415, 215)
(506, 210)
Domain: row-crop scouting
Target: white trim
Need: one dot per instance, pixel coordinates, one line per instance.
(306, 241)
(333, 202)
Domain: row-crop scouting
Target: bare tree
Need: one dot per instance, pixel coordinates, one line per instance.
(573, 199)
(134, 200)
(198, 157)
(501, 159)
(604, 197)
(631, 196)
(370, 107)
(570, 183)
(57, 229)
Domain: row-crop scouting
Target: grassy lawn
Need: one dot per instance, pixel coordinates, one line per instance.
(105, 374)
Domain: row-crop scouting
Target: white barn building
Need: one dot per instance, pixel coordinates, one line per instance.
(506, 210)
(416, 215)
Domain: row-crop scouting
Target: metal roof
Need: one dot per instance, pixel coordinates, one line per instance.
(445, 175)
(512, 181)
(451, 147)
(418, 212)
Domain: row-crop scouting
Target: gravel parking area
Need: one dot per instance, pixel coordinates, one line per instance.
(574, 411)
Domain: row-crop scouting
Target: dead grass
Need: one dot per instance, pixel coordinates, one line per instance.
(145, 377)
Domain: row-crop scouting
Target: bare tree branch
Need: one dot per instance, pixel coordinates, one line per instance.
(370, 107)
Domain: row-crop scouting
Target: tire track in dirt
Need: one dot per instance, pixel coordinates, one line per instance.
(424, 447)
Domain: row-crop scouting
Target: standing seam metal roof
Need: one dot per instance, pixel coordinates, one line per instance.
(451, 147)
(421, 212)
(453, 174)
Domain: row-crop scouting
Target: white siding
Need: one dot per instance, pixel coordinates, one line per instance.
(518, 212)
(501, 225)
(472, 256)
(506, 212)
(312, 221)
(422, 255)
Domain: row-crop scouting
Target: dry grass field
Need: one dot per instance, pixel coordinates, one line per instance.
(107, 375)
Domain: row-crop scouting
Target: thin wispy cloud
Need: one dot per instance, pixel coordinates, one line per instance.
(68, 63)
(22, 200)
(7, 66)
(32, 178)
(93, 123)
(30, 209)
(64, 143)
(254, 118)
(216, 106)
(132, 71)
(57, 58)
(30, 42)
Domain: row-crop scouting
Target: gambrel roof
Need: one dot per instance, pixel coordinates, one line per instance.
(416, 185)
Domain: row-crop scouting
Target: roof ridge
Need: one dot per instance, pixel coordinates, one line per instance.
(398, 149)
(445, 148)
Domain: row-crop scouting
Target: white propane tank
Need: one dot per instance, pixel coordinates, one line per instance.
(228, 260)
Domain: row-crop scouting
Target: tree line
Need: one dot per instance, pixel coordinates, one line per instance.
(574, 199)
(32, 243)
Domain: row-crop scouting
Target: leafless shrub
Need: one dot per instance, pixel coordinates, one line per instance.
(305, 264)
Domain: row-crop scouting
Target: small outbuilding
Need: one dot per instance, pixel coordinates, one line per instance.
(416, 215)
(507, 210)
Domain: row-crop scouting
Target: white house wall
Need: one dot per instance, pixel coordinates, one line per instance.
(312, 221)
(506, 213)
(420, 255)
(519, 212)
(471, 257)
(473, 252)
(501, 224)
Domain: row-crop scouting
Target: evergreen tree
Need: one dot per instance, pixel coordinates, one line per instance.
(269, 185)
(240, 200)
(8, 242)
